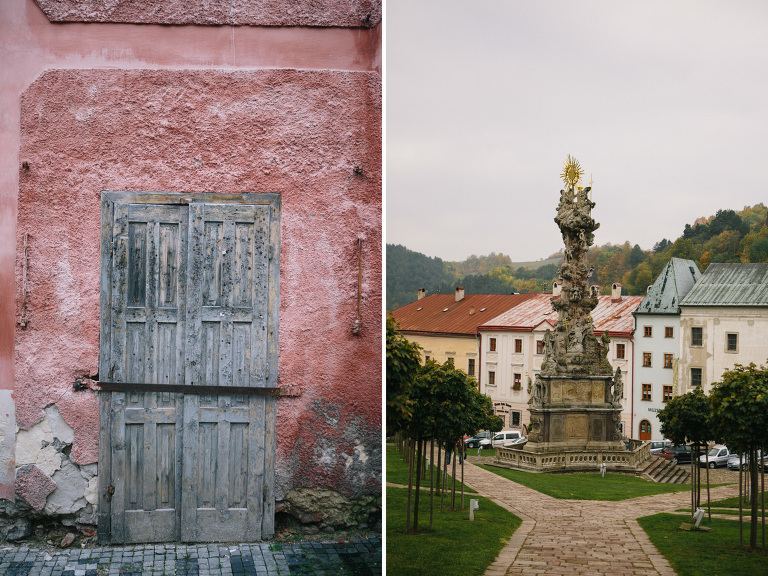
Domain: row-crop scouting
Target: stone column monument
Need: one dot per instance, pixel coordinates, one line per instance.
(575, 401)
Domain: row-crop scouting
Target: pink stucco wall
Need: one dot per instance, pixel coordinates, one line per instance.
(196, 109)
(254, 12)
(298, 133)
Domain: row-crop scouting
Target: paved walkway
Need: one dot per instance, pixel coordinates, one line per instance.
(577, 537)
(358, 557)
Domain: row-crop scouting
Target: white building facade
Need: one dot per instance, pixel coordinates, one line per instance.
(724, 322)
(657, 343)
(512, 351)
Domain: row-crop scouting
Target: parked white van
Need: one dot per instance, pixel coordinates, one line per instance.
(506, 438)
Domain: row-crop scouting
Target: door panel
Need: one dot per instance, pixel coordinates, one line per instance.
(147, 346)
(189, 298)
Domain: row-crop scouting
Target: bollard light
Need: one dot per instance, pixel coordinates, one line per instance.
(474, 504)
(697, 518)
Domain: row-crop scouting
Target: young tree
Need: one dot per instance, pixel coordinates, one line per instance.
(685, 419)
(403, 365)
(740, 420)
(445, 404)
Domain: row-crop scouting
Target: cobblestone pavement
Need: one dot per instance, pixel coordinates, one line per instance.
(577, 537)
(357, 557)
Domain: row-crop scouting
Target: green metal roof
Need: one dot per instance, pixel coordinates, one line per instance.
(730, 285)
(671, 286)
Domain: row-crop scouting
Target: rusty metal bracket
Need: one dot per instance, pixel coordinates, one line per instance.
(280, 391)
(24, 319)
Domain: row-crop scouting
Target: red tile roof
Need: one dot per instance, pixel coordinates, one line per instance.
(441, 314)
(614, 316)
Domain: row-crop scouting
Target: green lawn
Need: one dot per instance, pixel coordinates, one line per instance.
(578, 486)
(455, 547)
(733, 502)
(397, 472)
(714, 553)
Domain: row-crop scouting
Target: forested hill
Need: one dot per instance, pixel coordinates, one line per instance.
(728, 236)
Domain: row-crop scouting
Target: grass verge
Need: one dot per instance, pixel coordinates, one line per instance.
(714, 553)
(397, 472)
(455, 547)
(580, 486)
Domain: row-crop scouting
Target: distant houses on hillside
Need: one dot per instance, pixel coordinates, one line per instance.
(685, 332)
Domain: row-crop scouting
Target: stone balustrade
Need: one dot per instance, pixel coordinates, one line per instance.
(575, 460)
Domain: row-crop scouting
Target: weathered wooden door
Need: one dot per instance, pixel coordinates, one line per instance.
(188, 360)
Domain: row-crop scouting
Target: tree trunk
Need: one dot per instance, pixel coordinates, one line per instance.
(462, 482)
(410, 451)
(453, 483)
(419, 454)
(443, 474)
(741, 500)
(753, 499)
(431, 480)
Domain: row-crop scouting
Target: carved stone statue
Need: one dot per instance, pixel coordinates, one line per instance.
(618, 388)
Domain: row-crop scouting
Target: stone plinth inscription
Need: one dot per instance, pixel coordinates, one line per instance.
(576, 426)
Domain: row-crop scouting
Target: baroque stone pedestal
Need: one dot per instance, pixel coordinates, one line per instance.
(576, 412)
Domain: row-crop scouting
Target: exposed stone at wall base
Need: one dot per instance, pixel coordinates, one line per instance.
(49, 486)
(327, 510)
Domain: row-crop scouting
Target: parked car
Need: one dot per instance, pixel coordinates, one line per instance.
(733, 461)
(480, 440)
(717, 456)
(678, 452)
(505, 438)
(658, 445)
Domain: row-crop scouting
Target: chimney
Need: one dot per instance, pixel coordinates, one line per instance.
(459, 293)
(594, 290)
(471, 309)
(557, 288)
(422, 293)
(615, 292)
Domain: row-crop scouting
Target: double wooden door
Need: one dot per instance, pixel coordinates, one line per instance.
(188, 360)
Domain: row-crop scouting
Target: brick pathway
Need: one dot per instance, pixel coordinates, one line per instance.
(359, 557)
(577, 537)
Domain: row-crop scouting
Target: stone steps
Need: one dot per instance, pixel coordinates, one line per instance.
(664, 471)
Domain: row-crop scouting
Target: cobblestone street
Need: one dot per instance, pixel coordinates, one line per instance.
(357, 557)
(578, 537)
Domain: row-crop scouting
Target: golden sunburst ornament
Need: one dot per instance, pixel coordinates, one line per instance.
(572, 172)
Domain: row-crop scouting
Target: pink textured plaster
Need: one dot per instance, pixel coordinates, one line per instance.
(343, 13)
(298, 133)
(34, 486)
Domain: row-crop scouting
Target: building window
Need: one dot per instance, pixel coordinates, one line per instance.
(471, 367)
(667, 394)
(732, 342)
(492, 344)
(621, 351)
(696, 377)
(449, 361)
(539, 346)
(669, 332)
(518, 346)
(647, 331)
(426, 359)
(646, 359)
(697, 335)
(667, 360)
(517, 382)
(514, 418)
(647, 392)
(491, 378)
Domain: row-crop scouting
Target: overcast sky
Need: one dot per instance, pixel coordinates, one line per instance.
(664, 103)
